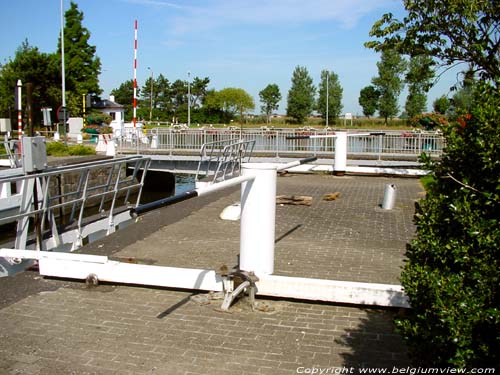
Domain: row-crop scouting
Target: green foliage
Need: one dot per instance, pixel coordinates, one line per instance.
(458, 31)
(300, 103)
(368, 100)
(389, 82)
(30, 66)
(464, 95)
(230, 100)
(441, 105)
(452, 274)
(82, 66)
(428, 121)
(80, 150)
(60, 149)
(270, 97)
(98, 118)
(334, 96)
(124, 94)
(419, 79)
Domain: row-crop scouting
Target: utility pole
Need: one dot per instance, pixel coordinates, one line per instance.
(63, 73)
(151, 97)
(327, 84)
(189, 99)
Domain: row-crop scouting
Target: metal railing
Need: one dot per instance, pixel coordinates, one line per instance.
(11, 156)
(275, 142)
(50, 195)
(223, 159)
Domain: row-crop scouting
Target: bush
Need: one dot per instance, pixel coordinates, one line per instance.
(81, 150)
(60, 149)
(57, 149)
(452, 273)
(428, 121)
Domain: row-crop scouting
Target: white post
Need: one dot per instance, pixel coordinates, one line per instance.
(340, 164)
(258, 211)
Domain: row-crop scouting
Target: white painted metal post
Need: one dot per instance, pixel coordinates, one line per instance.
(340, 164)
(258, 211)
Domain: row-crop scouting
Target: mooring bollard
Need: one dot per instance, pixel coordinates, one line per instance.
(389, 197)
(258, 211)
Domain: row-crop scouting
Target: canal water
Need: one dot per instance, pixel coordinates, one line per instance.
(184, 182)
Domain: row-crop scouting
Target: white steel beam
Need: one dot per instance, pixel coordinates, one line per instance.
(332, 291)
(80, 266)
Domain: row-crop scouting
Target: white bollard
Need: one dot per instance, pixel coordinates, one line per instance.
(154, 141)
(79, 139)
(56, 136)
(340, 163)
(258, 211)
(110, 148)
(389, 197)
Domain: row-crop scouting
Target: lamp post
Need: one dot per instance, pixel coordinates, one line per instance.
(151, 98)
(63, 74)
(327, 76)
(19, 107)
(189, 99)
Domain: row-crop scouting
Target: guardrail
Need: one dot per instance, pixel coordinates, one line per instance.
(277, 142)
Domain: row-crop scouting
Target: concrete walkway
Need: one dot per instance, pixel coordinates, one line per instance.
(61, 327)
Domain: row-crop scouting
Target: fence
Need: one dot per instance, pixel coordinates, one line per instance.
(275, 142)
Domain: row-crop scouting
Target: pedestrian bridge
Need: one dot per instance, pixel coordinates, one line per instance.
(178, 150)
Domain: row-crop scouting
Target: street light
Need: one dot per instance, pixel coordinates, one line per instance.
(327, 76)
(151, 99)
(63, 74)
(189, 99)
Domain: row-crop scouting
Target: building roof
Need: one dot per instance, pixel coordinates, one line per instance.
(106, 104)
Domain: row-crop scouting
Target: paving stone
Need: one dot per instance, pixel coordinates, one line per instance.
(66, 328)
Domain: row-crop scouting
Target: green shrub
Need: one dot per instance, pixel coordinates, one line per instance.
(452, 273)
(60, 149)
(57, 149)
(81, 150)
(428, 121)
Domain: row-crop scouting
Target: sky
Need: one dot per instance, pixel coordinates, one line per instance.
(236, 43)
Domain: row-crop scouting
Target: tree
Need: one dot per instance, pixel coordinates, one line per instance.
(441, 104)
(178, 96)
(334, 96)
(82, 66)
(452, 271)
(368, 100)
(124, 95)
(269, 97)
(33, 67)
(389, 82)
(199, 89)
(300, 103)
(463, 31)
(463, 97)
(236, 100)
(419, 79)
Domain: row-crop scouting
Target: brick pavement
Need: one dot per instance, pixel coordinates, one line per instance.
(69, 329)
(350, 238)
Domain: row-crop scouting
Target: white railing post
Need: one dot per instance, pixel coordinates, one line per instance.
(340, 163)
(258, 211)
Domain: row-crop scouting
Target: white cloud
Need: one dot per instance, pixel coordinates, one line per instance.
(217, 13)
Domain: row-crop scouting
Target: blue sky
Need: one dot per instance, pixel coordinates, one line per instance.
(236, 43)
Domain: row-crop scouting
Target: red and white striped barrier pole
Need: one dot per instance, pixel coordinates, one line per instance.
(135, 85)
